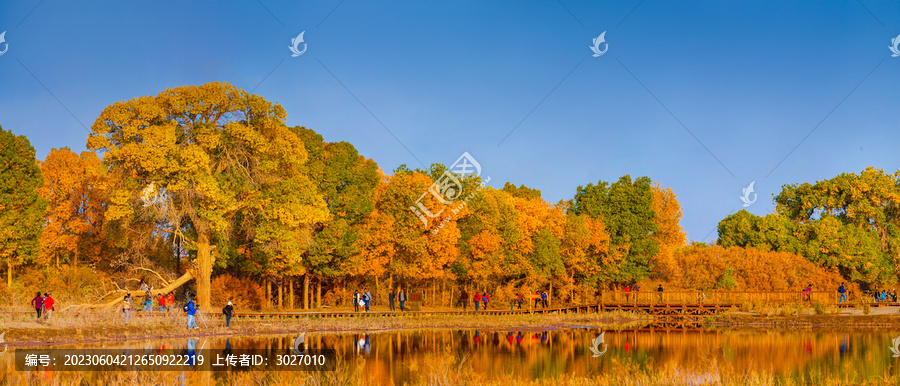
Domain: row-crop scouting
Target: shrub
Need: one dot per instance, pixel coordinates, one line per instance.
(69, 285)
(819, 308)
(244, 292)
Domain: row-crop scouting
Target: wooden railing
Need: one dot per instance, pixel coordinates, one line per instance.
(724, 298)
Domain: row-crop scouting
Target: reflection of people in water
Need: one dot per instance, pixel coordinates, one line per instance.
(227, 347)
(844, 345)
(363, 345)
(627, 346)
(544, 337)
(807, 345)
(191, 351)
(519, 337)
(477, 339)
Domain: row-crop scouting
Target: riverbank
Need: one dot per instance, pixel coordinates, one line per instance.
(856, 318)
(98, 326)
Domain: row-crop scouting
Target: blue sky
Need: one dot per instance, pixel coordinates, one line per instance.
(701, 96)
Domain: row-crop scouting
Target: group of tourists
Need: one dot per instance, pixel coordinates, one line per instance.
(43, 305)
(885, 296)
(365, 299)
(482, 298)
(401, 297)
(362, 300)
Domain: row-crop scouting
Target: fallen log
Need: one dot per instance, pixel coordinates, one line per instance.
(188, 276)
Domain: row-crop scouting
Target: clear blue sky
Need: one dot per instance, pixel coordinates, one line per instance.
(701, 96)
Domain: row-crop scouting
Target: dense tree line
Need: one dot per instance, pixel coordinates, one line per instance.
(215, 171)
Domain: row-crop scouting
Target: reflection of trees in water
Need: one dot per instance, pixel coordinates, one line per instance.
(400, 356)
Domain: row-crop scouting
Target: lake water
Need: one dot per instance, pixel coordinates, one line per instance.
(693, 353)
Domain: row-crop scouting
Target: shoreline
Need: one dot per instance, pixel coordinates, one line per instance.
(98, 328)
(74, 332)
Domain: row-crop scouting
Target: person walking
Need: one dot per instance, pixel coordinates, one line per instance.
(635, 289)
(356, 301)
(170, 300)
(806, 292)
(537, 299)
(367, 297)
(519, 300)
(659, 292)
(485, 298)
(391, 297)
(38, 303)
(228, 311)
(127, 304)
(464, 299)
(544, 302)
(161, 299)
(402, 298)
(843, 292)
(191, 314)
(148, 300)
(48, 305)
(476, 299)
(627, 293)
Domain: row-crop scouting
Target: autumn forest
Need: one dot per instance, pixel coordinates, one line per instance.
(206, 187)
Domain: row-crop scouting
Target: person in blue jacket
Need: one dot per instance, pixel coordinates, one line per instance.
(843, 292)
(191, 312)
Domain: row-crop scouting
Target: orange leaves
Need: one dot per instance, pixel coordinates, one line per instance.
(706, 268)
(76, 188)
(668, 218)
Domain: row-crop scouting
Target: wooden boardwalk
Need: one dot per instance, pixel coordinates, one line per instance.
(672, 304)
(666, 305)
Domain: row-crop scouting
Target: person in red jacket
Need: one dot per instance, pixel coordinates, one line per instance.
(48, 305)
(170, 300)
(161, 299)
(476, 299)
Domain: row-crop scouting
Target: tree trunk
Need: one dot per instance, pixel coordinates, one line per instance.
(205, 261)
(319, 293)
(9, 271)
(268, 293)
(306, 291)
(188, 276)
(291, 293)
(281, 295)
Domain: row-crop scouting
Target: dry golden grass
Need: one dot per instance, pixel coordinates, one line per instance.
(99, 325)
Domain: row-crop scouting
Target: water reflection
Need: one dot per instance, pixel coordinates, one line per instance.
(385, 357)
